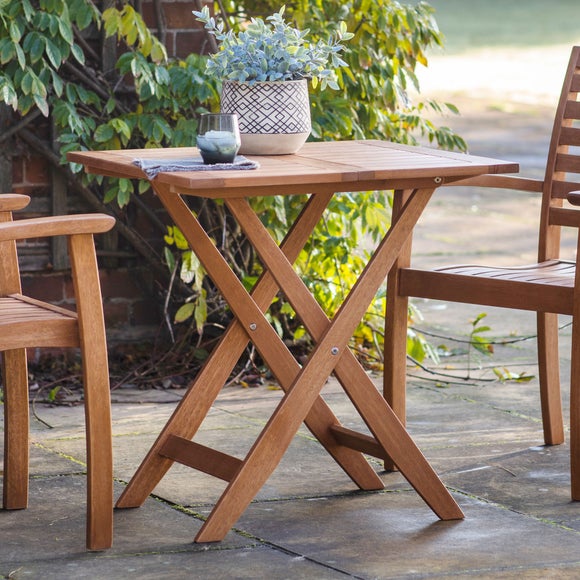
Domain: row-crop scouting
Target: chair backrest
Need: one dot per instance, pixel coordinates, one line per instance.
(9, 271)
(563, 163)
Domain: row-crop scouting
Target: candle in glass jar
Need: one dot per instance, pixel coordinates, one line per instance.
(219, 141)
(218, 138)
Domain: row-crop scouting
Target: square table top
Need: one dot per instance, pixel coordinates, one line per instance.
(322, 166)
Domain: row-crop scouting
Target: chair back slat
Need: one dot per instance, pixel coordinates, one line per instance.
(569, 136)
(572, 110)
(561, 216)
(567, 163)
(563, 163)
(560, 189)
(575, 84)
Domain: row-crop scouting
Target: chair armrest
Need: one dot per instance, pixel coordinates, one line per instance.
(13, 201)
(503, 182)
(65, 225)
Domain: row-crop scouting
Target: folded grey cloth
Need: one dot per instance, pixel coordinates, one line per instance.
(154, 166)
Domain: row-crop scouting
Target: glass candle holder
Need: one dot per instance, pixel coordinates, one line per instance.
(218, 138)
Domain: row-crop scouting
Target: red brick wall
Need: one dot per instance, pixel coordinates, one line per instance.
(131, 308)
(184, 35)
(30, 174)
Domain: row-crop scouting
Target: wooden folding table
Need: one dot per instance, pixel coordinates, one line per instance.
(320, 170)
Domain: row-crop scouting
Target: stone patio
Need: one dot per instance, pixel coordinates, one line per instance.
(483, 438)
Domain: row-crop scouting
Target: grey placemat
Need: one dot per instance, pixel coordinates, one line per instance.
(152, 166)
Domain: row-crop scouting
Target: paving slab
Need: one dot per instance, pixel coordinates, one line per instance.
(53, 526)
(240, 564)
(44, 542)
(392, 535)
(485, 441)
(534, 481)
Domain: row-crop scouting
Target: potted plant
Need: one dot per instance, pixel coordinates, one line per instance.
(265, 69)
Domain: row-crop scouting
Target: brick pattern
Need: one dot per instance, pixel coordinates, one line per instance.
(131, 308)
(184, 35)
(30, 172)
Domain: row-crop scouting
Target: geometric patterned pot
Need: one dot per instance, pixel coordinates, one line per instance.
(274, 116)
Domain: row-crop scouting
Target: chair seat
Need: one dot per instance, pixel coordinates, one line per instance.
(25, 322)
(555, 272)
(543, 287)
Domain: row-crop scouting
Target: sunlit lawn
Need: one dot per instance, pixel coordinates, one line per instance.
(474, 24)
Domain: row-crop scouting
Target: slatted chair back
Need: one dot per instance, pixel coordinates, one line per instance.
(563, 164)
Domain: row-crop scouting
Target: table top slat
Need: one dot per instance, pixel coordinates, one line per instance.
(316, 167)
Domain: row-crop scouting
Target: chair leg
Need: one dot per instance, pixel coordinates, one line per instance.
(97, 392)
(549, 370)
(395, 347)
(575, 411)
(99, 451)
(395, 355)
(16, 429)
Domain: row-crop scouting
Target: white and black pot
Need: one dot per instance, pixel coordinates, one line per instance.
(274, 116)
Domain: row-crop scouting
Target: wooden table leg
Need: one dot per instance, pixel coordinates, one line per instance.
(380, 418)
(284, 422)
(196, 403)
(303, 387)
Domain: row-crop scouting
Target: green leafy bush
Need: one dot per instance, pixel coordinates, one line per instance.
(148, 102)
(48, 64)
(273, 51)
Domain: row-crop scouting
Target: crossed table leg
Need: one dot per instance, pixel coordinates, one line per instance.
(302, 386)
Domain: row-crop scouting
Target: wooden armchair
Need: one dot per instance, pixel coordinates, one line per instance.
(27, 323)
(549, 287)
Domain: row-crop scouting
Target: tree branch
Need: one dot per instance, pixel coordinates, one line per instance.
(19, 126)
(87, 49)
(94, 85)
(160, 18)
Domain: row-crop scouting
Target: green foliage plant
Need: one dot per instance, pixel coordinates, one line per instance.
(388, 42)
(273, 50)
(47, 63)
(34, 43)
(485, 346)
(379, 94)
(51, 63)
(477, 342)
(146, 100)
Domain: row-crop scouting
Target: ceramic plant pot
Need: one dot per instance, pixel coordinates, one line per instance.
(274, 117)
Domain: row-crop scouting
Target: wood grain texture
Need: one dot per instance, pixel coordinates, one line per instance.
(342, 163)
(25, 323)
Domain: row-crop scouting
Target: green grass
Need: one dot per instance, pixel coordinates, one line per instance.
(475, 24)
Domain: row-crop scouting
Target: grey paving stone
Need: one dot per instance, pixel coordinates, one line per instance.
(53, 526)
(234, 564)
(392, 535)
